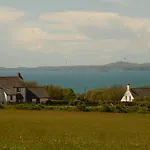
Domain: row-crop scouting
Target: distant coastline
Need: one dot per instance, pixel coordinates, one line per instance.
(100, 68)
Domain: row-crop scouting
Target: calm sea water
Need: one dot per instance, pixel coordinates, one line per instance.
(81, 81)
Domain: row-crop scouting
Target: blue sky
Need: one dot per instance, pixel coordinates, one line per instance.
(85, 32)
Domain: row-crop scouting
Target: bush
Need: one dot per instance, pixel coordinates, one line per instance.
(36, 107)
(92, 103)
(48, 102)
(62, 108)
(29, 107)
(105, 108)
(106, 95)
(2, 106)
(59, 93)
(121, 109)
(94, 108)
(74, 102)
(59, 102)
(143, 110)
(81, 106)
(21, 106)
(131, 109)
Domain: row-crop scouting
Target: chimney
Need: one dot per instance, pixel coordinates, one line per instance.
(19, 75)
(128, 87)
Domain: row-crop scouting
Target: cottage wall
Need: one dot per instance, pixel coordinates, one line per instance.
(30, 97)
(2, 97)
(6, 99)
(22, 92)
(11, 98)
(43, 100)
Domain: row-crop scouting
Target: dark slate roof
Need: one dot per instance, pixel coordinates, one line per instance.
(11, 81)
(140, 92)
(1, 94)
(10, 91)
(39, 92)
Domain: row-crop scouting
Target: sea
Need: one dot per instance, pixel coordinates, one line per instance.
(83, 81)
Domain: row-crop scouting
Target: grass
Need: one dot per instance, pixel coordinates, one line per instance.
(50, 130)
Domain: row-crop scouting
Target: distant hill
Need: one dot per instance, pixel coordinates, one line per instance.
(112, 66)
(124, 66)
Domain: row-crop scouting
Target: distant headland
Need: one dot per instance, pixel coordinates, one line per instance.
(108, 67)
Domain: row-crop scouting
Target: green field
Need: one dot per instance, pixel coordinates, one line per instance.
(49, 130)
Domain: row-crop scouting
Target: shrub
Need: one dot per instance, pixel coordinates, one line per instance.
(94, 108)
(55, 92)
(63, 108)
(121, 109)
(106, 95)
(143, 110)
(59, 102)
(68, 94)
(48, 102)
(21, 106)
(92, 103)
(74, 102)
(29, 106)
(2, 106)
(131, 109)
(36, 107)
(59, 93)
(105, 108)
(81, 106)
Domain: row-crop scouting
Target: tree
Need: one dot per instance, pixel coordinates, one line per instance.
(68, 94)
(55, 92)
(106, 95)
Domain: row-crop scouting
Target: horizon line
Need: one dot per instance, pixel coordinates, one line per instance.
(23, 67)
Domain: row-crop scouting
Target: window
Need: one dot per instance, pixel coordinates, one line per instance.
(18, 89)
(126, 98)
(130, 98)
(11, 98)
(33, 100)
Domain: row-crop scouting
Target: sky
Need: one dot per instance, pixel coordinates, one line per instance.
(73, 32)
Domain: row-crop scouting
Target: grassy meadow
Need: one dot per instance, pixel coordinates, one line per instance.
(56, 130)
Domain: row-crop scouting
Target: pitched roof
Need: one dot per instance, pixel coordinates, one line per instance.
(1, 94)
(140, 92)
(39, 92)
(10, 91)
(11, 81)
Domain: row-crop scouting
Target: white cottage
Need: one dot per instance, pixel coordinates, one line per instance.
(14, 90)
(132, 93)
(127, 97)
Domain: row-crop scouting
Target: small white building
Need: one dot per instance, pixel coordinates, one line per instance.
(127, 97)
(132, 93)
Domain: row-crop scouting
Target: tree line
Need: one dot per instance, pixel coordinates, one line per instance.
(94, 97)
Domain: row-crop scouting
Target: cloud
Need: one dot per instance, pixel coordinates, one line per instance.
(10, 14)
(113, 32)
(112, 1)
(84, 35)
(35, 38)
(120, 2)
(98, 19)
(79, 18)
(71, 32)
(97, 25)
